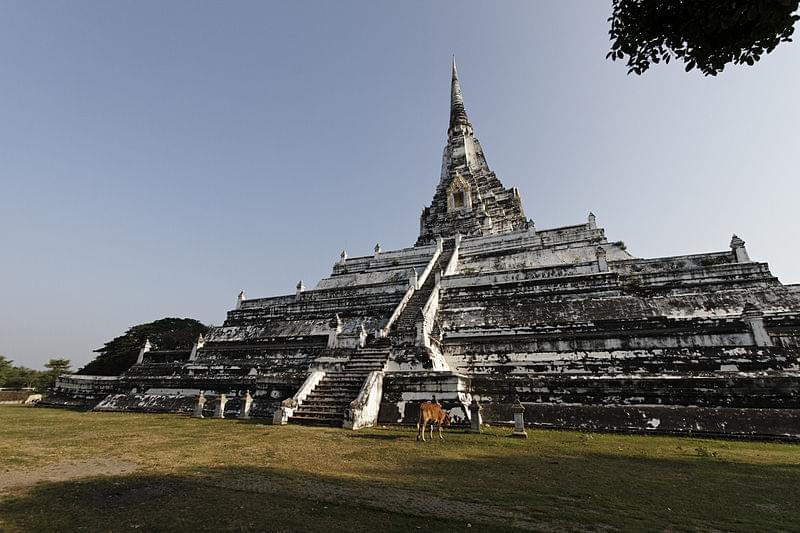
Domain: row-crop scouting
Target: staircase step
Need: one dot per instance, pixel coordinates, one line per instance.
(331, 393)
(316, 421)
(324, 403)
(320, 411)
(319, 414)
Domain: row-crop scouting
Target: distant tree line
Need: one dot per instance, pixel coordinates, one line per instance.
(114, 358)
(21, 377)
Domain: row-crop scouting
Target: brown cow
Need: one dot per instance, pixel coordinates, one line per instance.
(433, 413)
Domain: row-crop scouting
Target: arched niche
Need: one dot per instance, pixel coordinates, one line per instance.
(459, 194)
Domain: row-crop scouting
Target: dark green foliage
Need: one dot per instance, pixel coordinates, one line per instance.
(119, 354)
(59, 366)
(5, 370)
(55, 367)
(707, 34)
(19, 377)
(633, 286)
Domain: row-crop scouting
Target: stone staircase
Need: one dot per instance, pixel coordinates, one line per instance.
(326, 404)
(406, 325)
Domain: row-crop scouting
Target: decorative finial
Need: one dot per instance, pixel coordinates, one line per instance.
(239, 299)
(377, 248)
(146, 348)
(458, 115)
(737, 246)
(343, 256)
(300, 287)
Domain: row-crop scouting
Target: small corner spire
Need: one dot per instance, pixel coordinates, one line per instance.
(458, 115)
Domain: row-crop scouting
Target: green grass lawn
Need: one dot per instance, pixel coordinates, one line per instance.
(177, 473)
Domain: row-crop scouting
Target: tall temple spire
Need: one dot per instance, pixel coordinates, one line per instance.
(470, 200)
(458, 115)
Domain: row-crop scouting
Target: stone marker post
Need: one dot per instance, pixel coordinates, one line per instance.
(519, 420)
(602, 262)
(247, 401)
(219, 412)
(475, 417)
(198, 407)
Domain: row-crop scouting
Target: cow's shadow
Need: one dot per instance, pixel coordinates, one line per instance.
(377, 436)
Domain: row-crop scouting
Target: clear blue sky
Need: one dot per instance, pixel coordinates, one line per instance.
(157, 157)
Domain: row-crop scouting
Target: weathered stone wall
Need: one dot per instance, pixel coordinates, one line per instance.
(404, 391)
(711, 421)
(731, 390)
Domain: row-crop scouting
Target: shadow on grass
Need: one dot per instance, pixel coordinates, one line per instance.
(73, 408)
(247, 499)
(428, 491)
(378, 436)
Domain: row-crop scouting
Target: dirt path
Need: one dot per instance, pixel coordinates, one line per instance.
(64, 471)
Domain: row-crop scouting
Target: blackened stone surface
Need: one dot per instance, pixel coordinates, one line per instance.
(761, 423)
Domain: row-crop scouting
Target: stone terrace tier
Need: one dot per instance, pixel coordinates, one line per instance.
(568, 301)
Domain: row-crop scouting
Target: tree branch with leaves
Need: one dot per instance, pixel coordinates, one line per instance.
(706, 34)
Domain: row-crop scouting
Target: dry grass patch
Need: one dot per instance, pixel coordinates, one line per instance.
(553, 480)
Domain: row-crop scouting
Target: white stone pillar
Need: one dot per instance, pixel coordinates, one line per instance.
(198, 407)
(475, 417)
(739, 251)
(333, 335)
(413, 279)
(239, 299)
(362, 336)
(519, 420)
(602, 263)
(592, 221)
(531, 228)
(299, 288)
(219, 412)
(199, 343)
(144, 350)
(247, 402)
(754, 318)
(378, 250)
(343, 257)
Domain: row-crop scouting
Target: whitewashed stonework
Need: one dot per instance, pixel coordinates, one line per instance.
(556, 327)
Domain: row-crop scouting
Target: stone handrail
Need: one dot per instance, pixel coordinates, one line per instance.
(425, 325)
(431, 264)
(363, 411)
(288, 406)
(410, 292)
(452, 264)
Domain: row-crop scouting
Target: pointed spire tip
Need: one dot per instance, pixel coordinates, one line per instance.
(458, 115)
